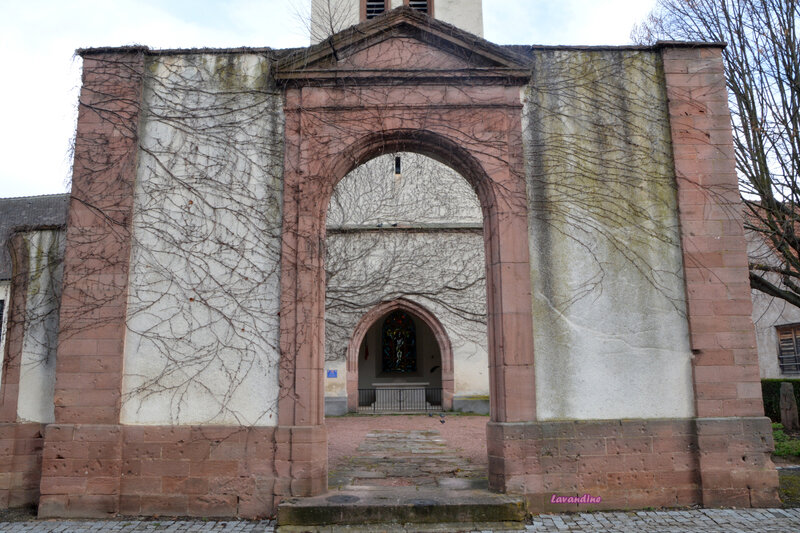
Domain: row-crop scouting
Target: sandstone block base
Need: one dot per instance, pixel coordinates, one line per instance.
(210, 471)
(20, 463)
(630, 464)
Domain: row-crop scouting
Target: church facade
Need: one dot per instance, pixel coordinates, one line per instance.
(563, 232)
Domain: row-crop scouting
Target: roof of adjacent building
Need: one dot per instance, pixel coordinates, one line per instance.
(28, 212)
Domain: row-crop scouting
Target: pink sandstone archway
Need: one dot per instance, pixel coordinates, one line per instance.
(369, 318)
(330, 131)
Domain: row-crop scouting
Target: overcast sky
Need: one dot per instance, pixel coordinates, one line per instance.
(39, 86)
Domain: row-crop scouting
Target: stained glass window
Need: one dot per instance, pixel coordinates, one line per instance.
(399, 343)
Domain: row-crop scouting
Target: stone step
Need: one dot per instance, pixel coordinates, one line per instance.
(444, 527)
(401, 506)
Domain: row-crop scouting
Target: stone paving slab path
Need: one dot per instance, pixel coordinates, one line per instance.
(403, 458)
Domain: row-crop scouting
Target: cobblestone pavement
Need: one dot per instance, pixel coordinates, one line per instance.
(705, 520)
(702, 520)
(131, 526)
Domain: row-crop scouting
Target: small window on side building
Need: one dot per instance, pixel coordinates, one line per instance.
(789, 348)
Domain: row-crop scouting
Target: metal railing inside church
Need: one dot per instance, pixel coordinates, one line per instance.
(397, 400)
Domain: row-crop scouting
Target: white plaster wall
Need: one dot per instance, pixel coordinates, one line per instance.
(336, 387)
(610, 331)
(436, 261)
(471, 368)
(426, 192)
(769, 312)
(38, 362)
(5, 295)
(464, 14)
(203, 326)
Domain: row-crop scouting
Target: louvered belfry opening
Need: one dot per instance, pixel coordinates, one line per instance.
(375, 8)
(419, 5)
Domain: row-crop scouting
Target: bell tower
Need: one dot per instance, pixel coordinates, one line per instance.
(331, 16)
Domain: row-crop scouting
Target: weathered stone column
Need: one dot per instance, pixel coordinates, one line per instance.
(512, 466)
(734, 438)
(301, 460)
(83, 449)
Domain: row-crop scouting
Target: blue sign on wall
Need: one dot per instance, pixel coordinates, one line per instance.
(332, 373)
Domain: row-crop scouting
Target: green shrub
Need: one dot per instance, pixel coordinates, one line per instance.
(771, 391)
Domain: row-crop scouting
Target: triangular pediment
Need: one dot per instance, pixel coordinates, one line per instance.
(402, 43)
(399, 52)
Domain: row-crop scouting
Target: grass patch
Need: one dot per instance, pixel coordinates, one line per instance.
(785, 445)
(789, 491)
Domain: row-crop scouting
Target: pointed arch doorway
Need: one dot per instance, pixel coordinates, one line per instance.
(365, 363)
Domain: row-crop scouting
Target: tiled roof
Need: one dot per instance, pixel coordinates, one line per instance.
(28, 212)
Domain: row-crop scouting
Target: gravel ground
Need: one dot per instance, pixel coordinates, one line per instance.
(464, 433)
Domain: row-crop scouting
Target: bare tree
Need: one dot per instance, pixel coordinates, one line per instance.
(762, 62)
(327, 17)
(203, 291)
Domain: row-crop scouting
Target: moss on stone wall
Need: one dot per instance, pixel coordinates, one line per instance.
(608, 294)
